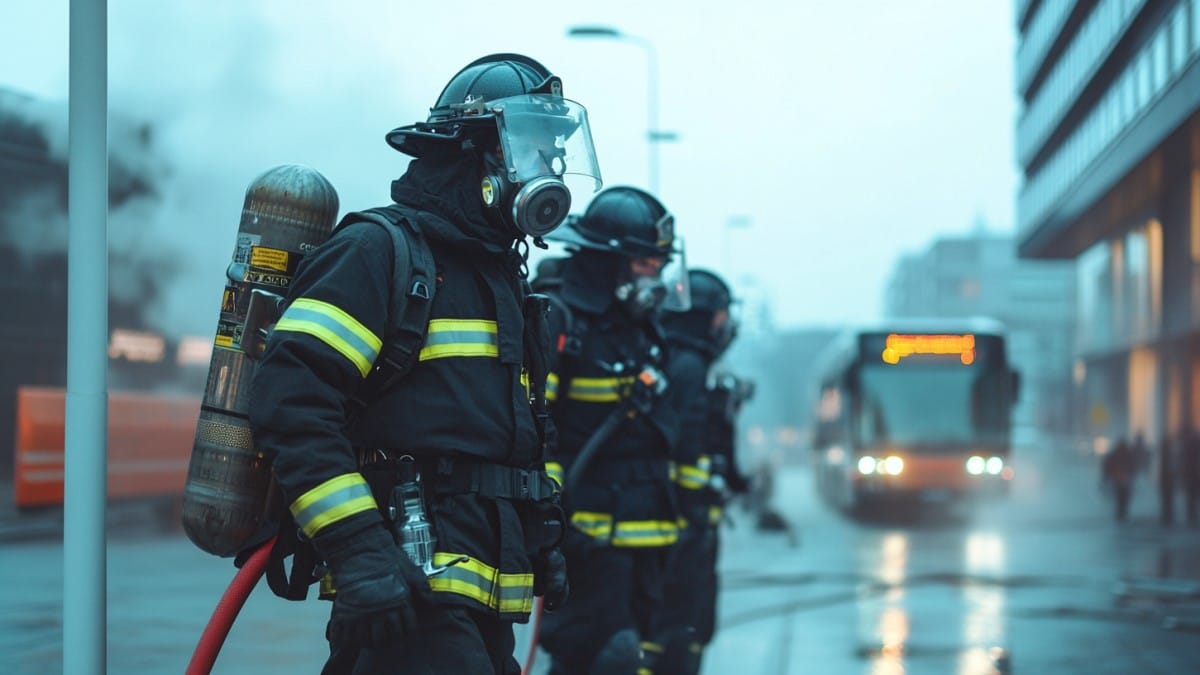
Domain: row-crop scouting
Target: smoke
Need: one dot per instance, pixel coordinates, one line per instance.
(33, 217)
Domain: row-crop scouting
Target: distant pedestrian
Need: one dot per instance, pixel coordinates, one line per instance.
(1166, 481)
(1189, 474)
(1117, 471)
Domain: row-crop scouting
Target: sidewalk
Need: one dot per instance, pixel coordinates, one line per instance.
(46, 522)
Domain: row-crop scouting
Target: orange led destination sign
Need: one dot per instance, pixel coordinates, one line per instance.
(899, 346)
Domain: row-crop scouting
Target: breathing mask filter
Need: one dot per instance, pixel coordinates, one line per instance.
(535, 208)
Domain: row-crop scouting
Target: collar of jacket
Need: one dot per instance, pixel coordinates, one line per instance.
(447, 187)
(588, 281)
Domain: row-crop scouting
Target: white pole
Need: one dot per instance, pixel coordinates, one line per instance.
(85, 480)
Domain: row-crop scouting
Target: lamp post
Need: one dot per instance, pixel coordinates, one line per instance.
(653, 135)
(735, 222)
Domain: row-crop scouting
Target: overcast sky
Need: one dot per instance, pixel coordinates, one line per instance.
(840, 135)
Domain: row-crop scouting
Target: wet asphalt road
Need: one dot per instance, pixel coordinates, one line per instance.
(1043, 582)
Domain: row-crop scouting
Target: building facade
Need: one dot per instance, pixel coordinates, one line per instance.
(1108, 140)
(980, 275)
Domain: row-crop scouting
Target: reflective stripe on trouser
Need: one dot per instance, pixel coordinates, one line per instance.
(590, 389)
(335, 499)
(625, 533)
(333, 326)
(505, 593)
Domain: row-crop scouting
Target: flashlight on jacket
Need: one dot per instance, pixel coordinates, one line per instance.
(407, 513)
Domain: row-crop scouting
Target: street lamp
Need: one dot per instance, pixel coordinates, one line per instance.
(653, 134)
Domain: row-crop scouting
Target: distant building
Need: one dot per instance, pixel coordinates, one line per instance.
(1108, 141)
(980, 275)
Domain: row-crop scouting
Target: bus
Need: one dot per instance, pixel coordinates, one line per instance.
(917, 411)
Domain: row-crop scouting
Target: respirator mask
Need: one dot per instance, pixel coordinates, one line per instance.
(545, 154)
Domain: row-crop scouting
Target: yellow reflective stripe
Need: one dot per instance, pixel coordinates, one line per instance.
(692, 477)
(334, 327)
(593, 524)
(460, 337)
(714, 515)
(552, 387)
(331, 501)
(555, 471)
(642, 670)
(653, 647)
(598, 389)
(506, 593)
(645, 533)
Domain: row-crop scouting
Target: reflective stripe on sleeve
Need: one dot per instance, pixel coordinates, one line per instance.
(334, 327)
(691, 477)
(552, 387)
(335, 499)
(595, 525)
(460, 337)
(555, 471)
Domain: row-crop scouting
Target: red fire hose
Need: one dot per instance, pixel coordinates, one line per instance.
(227, 610)
(533, 642)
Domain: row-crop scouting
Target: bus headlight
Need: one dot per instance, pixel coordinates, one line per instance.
(866, 465)
(893, 465)
(976, 465)
(995, 465)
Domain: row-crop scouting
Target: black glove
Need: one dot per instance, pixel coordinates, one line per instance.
(550, 579)
(377, 586)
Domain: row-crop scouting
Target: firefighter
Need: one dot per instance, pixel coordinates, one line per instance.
(349, 409)
(706, 472)
(617, 419)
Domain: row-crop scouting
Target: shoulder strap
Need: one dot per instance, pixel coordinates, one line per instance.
(569, 342)
(414, 284)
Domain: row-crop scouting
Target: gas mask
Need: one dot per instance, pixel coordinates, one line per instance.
(545, 145)
(642, 296)
(534, 208)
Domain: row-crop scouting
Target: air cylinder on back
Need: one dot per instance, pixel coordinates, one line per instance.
(289, 211)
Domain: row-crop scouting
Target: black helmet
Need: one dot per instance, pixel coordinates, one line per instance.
(709, 292)
(461, 103)
(509, 110)
(625, 220)
(709, 295)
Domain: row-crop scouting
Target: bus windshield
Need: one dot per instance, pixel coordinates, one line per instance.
(933, 404)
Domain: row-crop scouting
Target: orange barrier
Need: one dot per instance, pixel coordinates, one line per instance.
(149, 444)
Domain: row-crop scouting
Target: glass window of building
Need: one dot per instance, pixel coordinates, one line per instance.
(1162, 68)
(1195, 24)
(1094, 274)
(1135, 291)
(1179, 38)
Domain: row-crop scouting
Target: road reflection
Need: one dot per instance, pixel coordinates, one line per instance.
(967, 630)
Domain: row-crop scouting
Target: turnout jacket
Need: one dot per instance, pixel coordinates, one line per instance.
(623, 498)
(705, 456)
(464, 401)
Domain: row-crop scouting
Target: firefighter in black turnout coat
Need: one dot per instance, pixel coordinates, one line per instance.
(705, 473)
(617, 419)
(349, 409)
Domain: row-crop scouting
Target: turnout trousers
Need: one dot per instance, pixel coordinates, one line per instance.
(689, 614)
(613, 590)
(450, 640)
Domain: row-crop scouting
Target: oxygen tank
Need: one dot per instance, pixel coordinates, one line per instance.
(227, 500)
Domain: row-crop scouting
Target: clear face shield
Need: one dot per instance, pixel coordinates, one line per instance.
(657, 284)
(675, 278)
(549, 159)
